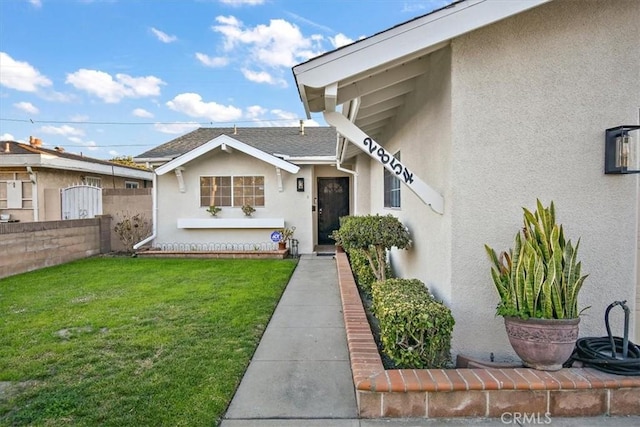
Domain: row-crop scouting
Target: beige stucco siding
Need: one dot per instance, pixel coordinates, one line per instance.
(531, 99)
(293, 206)
(422, 133)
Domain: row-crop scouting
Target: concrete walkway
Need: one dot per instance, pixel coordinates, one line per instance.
(300, 374)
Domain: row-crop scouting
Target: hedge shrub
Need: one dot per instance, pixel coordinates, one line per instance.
(374, 235)
(362, 269)
(415, 328)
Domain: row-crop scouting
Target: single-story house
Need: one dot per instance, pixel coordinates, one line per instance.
(455, 120)
(32, 177)
(289, 175)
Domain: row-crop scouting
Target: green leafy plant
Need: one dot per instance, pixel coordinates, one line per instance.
(286, 233)
(540, 276)
(248, 209)
(374, 235)
(362, 269)
(415, 328)
(213, 210)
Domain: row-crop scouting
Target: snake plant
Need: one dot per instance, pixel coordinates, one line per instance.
(540, 276)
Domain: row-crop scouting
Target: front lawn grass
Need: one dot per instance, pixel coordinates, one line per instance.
(130, 341)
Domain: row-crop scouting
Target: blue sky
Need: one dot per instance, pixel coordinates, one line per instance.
(113, 78)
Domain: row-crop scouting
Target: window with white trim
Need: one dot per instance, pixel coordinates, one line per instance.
(131, 184)
(391, 187)
(93, 180)
(231, 190)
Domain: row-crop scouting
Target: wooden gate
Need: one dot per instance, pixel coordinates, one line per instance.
(81, 201)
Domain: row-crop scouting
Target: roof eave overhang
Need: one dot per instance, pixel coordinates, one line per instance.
(229, 142)
(401, 43)
(52, 162)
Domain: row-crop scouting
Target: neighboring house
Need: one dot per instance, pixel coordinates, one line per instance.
(288, 174)
(31, 179)
(489, 105)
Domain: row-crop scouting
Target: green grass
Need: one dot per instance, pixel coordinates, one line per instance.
(130, 341)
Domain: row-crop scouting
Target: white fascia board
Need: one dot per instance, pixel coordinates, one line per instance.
(234, 143)
(405, 41)
(53, 162)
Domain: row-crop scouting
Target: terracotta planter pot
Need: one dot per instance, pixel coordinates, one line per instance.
(543, 344)
(282, 246)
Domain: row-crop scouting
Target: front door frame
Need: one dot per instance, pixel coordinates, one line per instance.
(329, 210)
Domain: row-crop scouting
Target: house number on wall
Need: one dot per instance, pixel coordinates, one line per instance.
(386, 158)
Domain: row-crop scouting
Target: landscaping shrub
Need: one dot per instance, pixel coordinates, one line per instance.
(415, 328)
(374, 235)
(362, 269)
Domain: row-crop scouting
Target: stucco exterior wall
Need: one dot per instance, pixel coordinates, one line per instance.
(422, 133)
(531, 97)
(293, 206)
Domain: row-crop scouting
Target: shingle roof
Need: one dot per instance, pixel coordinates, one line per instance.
(316, 141)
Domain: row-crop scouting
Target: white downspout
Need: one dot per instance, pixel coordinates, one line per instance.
(34, 194)
(154, 215)
(339, 160)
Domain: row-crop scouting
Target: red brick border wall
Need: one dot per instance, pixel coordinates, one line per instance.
(26, 246)
(443, 393)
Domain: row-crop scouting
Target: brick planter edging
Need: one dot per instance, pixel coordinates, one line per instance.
(476, 392)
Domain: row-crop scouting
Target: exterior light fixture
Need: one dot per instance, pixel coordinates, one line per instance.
(621, 151)
(300, 184)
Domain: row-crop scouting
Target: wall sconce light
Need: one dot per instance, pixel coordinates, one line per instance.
(621, 153)
(300, 184)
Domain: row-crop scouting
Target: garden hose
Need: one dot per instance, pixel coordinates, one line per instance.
(610, 354)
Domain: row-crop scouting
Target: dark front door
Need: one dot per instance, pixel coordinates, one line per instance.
(333, 202)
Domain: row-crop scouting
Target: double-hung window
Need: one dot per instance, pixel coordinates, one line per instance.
(232, 190)
(391, 187)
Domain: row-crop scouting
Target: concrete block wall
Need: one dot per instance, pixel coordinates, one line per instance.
(33, 245)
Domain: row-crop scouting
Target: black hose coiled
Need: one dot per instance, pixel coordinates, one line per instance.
(610, 354)
(596, 353)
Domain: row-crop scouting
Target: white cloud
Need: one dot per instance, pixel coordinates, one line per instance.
(268, 51)
(113, 153)
(36, 3)
(176, 128)
(263, 77)
(212, 61)
(192, 105)
(27, 107)
(64, 130)
(141, 112)
(111, 90)
(340, 40)
(242, 2)
(162, 36)
(20, 75)
(7, 137)
(256, 111)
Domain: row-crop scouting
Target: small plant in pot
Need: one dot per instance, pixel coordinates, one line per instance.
(285, 234)
(213, 210)
(538, 282)
(248, 210)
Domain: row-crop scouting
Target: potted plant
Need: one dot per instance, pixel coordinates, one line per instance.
(213, 210)
(248, 209)
(538, 282)
(285, 234)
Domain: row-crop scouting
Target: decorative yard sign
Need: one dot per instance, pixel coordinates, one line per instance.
(276, 236)
(350, 131)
